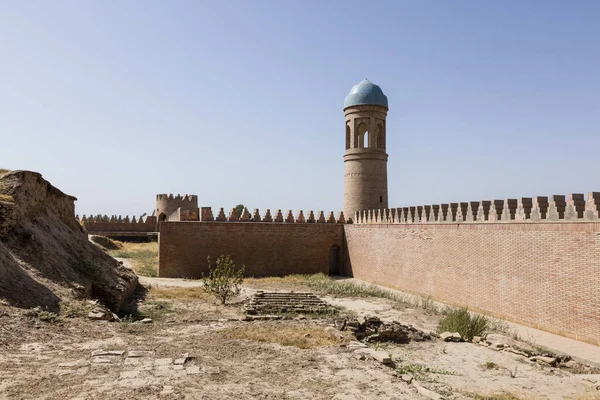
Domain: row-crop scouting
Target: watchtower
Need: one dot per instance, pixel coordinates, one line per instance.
(365, 159)
(168, 204)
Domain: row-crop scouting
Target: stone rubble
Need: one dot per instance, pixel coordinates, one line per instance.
(543, 359)
(369, 353)
(101, 313)
(426, 392)
(140, 353)
(261, 317)
(451, 337)
(372, 329)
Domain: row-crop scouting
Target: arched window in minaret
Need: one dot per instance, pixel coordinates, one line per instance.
(363, 135)
(347, 135)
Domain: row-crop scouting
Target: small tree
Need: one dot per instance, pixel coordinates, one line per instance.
(239, 209)
(224, 281)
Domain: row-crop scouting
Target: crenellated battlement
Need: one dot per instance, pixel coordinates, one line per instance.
(299, 218)
(556, 208)
(190, 198)
(114, 223)
(169, 207)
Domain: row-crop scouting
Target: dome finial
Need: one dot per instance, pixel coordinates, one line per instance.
(366, 92)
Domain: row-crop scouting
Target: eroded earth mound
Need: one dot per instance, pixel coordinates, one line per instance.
(45, 256)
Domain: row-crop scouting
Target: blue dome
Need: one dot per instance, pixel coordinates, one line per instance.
(366, 92)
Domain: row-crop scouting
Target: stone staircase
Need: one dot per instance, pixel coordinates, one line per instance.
(267, 303)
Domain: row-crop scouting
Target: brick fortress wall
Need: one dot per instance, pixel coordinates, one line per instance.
(104, 224)
(267, 245)
(533, 261)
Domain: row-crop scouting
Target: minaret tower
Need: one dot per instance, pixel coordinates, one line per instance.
(365, 160)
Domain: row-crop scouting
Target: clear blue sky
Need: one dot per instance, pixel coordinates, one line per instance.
(115, 101)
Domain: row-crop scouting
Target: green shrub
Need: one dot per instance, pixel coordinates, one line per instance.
(44, 315)
(462, 321)
(224, 281)
(88, 267)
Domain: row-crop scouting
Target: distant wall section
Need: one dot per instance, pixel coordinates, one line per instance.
(266, 248)
(103, 224)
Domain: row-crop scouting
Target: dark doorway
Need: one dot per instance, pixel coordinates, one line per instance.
(162, 217)
(334, 260)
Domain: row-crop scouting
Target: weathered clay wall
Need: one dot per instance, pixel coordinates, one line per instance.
(267, 249)
(542, 274)
(44, 253)
(7, 219)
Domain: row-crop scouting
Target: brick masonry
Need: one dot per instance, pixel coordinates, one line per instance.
(544, 275)
(365, 159)
(267, 249)
(118, 224)
(168, 204)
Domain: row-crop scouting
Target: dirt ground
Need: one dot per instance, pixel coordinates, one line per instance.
(45, 360)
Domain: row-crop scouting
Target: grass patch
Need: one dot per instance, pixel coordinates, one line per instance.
(178, 293)
(462, 321)
(323, 284)
(143, 255)
(74, 309)
(89, 268)
(490, 365)
(427, 304)
(296, 336)
(4, 171)
(420, 369)
(501, 326)
(155, 309)
(129, 325)
(317, 385)
(44, 315)
(3, 188)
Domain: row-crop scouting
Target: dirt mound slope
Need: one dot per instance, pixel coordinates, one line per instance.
(105, 242)
(45, 256)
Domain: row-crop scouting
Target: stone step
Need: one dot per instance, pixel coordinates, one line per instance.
(278, 302)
